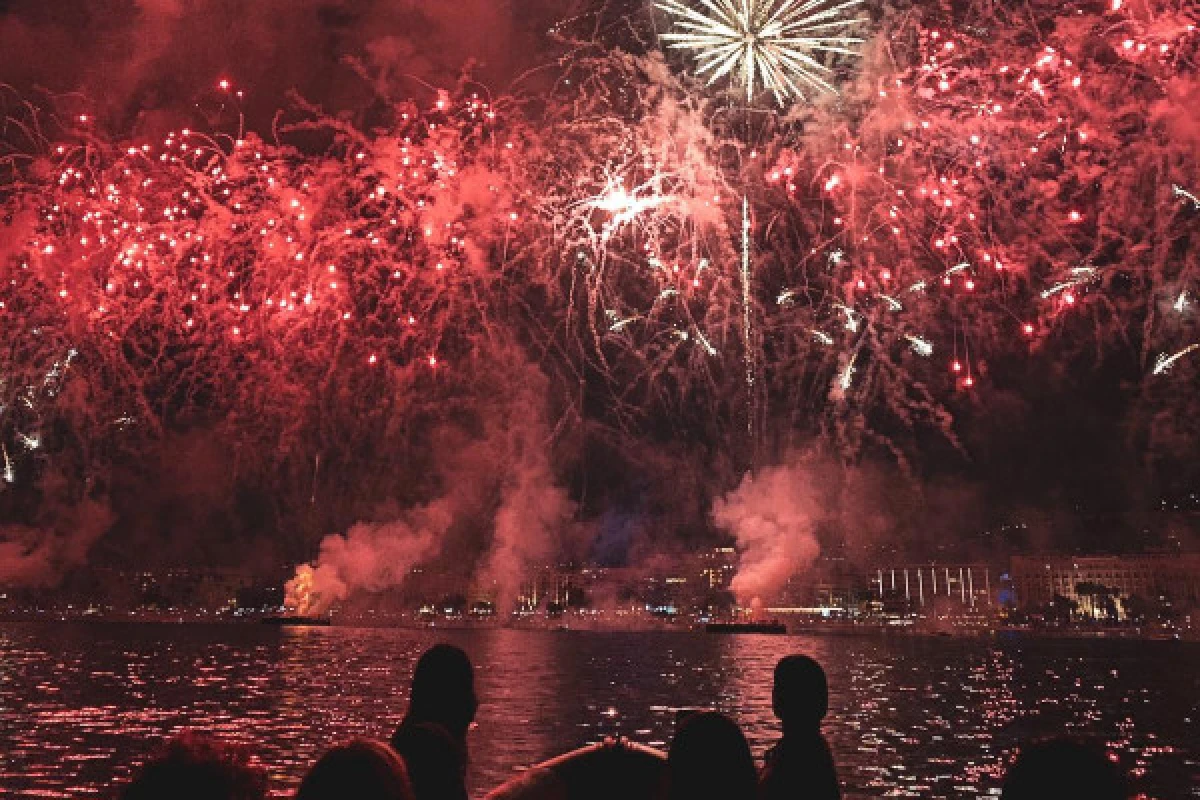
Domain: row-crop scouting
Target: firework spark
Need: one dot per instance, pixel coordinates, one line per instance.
(1184, 194)
(921, 346)
(772, 44)
(1165, 362)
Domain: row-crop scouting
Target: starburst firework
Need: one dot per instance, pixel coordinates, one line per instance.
(772, 44)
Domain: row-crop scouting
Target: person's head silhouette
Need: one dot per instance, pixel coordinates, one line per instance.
(443, 690)
(193, 766)
(800, 697)
(362, 769)
(709, 758)
(1063, 769)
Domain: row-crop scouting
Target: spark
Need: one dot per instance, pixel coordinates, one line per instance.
(747, 319)
(892, 302)
(1182, 302)
(822, 337)
(846, 378)
(624, 205)
(1186, 195)
(10, 474)
(772, 44)
(851, 317)
(622, 324)
(920, 346)
(785, 298)
(31, 442)
(1080, 276)
(1165, 362)
(705, 343)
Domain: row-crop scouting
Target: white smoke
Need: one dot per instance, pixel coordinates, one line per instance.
(369, 558)
(498, 486)
(533, 511)
(772, 515)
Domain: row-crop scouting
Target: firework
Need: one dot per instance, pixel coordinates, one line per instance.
(1165, 362)
(1184, 194)
(772, 45)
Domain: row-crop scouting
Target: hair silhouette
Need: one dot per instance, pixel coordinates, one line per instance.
(362, 769)
(800, 696)
(194, 766)
(443, 690)
(1063, 769)
(709, 758)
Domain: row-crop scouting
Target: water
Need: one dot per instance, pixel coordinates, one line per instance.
(80, 704)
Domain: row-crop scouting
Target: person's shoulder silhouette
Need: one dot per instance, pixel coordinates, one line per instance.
(1063, 769)
(800, 764)
(362, 769)
(434, 761)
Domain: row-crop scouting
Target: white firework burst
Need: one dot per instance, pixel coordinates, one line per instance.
(768, 44)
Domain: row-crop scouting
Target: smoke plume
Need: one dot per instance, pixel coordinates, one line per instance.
(41, 556)
(772, 515)
(369, 557)
(499, 512)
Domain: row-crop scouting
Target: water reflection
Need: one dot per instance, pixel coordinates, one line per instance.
(908, 717)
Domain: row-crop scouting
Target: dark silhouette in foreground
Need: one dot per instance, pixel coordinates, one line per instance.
(432, 739)
(193, 766)
(709, 759)
(800, 765)
(1063, 769)
(362, 769)
(614, 769)
(435, 762)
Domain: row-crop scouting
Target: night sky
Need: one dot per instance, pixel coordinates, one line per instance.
(1068, 447)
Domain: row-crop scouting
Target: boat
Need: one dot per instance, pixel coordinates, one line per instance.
(772, 627)
(612, 768)
(296, 621)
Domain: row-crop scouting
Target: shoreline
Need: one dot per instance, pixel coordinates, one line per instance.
(869, 630)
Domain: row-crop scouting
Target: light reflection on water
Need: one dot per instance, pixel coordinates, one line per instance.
(79, 704)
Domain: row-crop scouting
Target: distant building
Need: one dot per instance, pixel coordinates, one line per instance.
(969, 585)
(1038, 579)
(717, 567)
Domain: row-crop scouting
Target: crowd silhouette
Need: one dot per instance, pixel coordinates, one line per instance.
(709, 757)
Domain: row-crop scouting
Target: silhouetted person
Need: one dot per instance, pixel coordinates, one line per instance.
(800, 764)
(193, 766)
(434, 761)
(432, 739)
(359, 770)
(1063, 769)
(709, 759)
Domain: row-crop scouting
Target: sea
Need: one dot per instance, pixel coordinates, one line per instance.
(82, 703)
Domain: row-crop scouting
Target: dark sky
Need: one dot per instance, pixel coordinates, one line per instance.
(139, 56)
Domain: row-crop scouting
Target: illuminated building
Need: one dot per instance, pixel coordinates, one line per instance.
(921, 585)
(1037, 580)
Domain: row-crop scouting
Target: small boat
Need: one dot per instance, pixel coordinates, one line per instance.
(615, 768)
(773, 627)
(296, 621)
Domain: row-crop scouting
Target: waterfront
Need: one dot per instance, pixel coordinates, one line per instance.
(928, 717)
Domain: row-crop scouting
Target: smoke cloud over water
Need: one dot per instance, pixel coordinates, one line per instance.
(772, 515)
(500, 510)
(369, 558)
